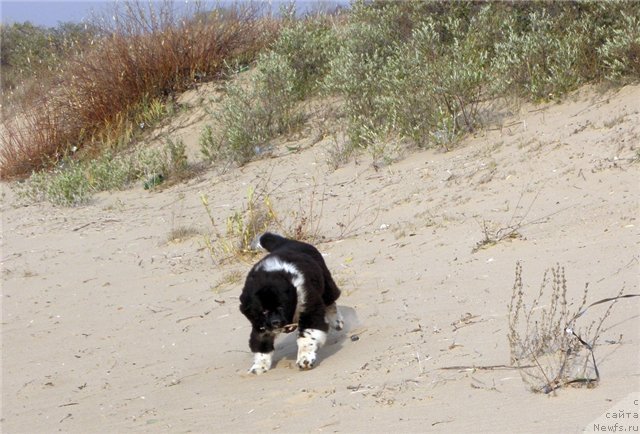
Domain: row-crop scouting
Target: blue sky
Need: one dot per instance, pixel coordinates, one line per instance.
(49, 13)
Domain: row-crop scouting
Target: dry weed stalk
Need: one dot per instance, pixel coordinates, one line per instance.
(512, 229)
(302, 223)
(544, 341)
(260, 213)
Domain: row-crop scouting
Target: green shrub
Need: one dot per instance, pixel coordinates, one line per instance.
(620, 52)
(244, 127)
(418, 71)
(443, 74)
(307, 46)
(369, 39)
(251, 113)
(407, 73)
(65, 188)
(537, 59)
(275, 88)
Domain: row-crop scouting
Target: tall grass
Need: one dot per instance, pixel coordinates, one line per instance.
(150, 51)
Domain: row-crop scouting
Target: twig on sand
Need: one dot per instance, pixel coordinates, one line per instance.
(193, 316)
(483, 367)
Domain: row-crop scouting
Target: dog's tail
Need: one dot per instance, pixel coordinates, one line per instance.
(268, 241)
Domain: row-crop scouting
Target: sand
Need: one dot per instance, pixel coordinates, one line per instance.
(109, 325)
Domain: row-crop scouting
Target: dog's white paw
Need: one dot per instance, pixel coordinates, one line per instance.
(308, 344)
(261, 363)
(257, 370)
(306, 360)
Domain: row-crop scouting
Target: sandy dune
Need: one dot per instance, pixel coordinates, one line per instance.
(108, 327)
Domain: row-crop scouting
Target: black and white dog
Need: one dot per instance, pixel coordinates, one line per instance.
(289, 288)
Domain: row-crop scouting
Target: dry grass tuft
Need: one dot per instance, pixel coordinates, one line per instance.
(259, 214)
(242, 227)
(545, 342)
(182, 233)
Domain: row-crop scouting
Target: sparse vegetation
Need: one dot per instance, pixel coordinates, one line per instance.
(228, 282)
(406, 74)
(546, 343)
(176, 166)
(252, 113)
(73, 182)
(265, 105)
(302, 223)
(493, 233)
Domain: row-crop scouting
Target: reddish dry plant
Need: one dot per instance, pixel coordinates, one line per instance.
(31, 141)
(150, 52)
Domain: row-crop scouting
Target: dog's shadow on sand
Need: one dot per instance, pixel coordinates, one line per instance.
(286, 350)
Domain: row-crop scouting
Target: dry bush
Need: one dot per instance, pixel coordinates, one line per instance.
(150, 52)
(242, 227)
(155, 52)
(545, 341)
(259, 214)
(31, 141)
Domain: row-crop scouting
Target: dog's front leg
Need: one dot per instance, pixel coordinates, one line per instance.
(261, 344)
(309, 342)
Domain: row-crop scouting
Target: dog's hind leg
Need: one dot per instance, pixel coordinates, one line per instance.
(331, 291)
(329, 296)
(334, 317)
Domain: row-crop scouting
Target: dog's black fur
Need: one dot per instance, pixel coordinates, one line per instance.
(290, 286)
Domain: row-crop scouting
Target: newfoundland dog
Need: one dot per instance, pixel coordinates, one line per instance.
(291, 287)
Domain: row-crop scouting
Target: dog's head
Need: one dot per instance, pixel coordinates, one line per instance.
(269, 303)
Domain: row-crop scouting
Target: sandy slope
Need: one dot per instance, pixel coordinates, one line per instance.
(107, 327)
